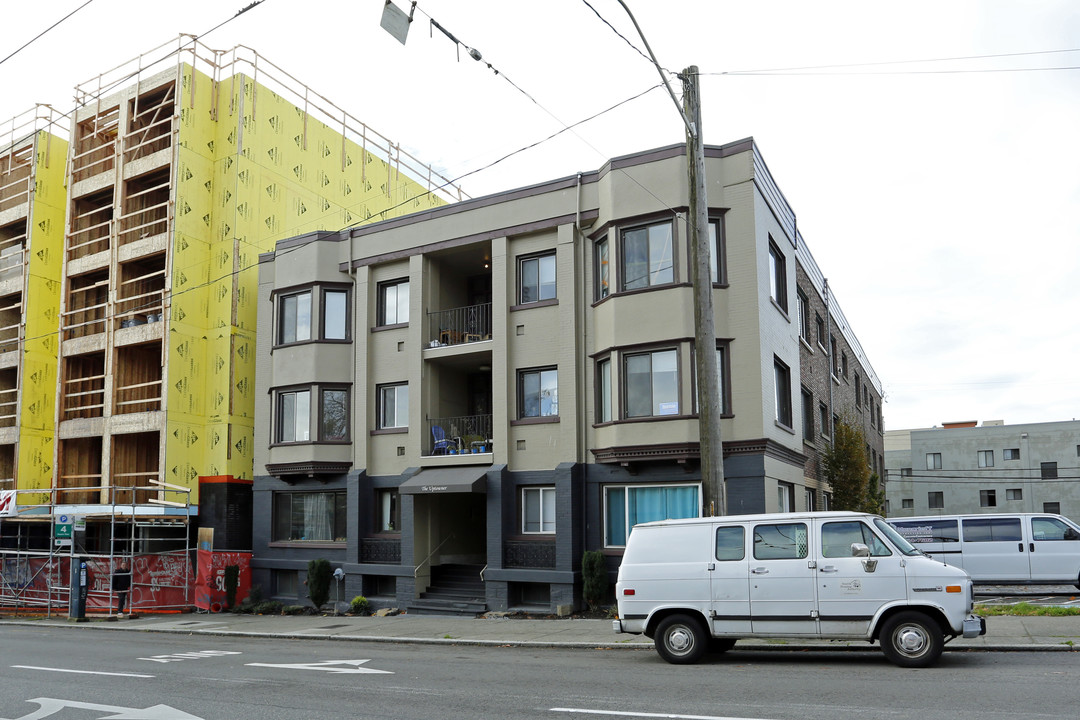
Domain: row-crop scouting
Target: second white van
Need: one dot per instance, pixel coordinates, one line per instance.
(701, 584)
(1001, 548)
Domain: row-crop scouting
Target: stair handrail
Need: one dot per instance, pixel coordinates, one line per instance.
(482, 571)
(423, 562)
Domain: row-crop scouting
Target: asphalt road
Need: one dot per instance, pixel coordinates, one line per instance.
(65, 675)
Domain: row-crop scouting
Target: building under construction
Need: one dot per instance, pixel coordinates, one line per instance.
(130, 231)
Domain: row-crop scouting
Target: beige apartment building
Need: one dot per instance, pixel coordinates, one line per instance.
(453, 405)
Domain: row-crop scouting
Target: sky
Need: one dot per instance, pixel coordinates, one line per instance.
(937, 188)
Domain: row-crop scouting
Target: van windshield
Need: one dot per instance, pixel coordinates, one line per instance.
(896, 538)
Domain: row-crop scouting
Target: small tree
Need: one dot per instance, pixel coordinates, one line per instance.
(875, 495)
(318, 581)
(594, 578)
(846, 469)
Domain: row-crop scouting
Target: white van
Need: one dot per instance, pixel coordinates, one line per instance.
(703, 583)
(1001, 548)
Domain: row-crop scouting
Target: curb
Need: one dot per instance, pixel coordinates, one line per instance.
(749, 646)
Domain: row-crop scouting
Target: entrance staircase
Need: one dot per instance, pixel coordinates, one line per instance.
(454, 590)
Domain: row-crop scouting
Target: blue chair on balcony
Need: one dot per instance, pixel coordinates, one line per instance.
(443, 444)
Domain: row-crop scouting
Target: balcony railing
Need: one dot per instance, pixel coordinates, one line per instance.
(459, 435)
(471, 323)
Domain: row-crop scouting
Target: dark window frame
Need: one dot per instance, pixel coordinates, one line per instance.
(624, 388)
(538, 258)
(648, 284)
(381, 304)
(778, 276)
(521, 404)
(346, 436)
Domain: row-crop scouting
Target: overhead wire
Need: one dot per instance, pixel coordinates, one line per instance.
(475, 54)
(41, 34)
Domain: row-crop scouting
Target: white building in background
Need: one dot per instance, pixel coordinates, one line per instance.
(964, 467)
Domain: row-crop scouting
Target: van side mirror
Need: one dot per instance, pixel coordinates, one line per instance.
(859, 550)
(1071, 534)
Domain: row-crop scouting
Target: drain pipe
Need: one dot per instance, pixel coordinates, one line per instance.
(583, 432)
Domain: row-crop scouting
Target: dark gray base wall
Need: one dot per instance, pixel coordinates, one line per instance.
(531, 571)
(279, 570)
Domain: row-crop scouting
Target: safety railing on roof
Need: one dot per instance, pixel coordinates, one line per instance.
(228, 65)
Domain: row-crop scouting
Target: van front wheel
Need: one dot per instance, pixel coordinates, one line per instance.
(680, 639)
(911, 639)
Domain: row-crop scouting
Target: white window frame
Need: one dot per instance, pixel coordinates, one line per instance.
(545, 496)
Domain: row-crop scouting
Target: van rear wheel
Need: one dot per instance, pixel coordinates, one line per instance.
(912, 639)
(680, 639)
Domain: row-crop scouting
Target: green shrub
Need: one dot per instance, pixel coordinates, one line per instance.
(267, 607)
(232, 579)
(594, 578)
(360, 606)
(318, 581)
(293, 610)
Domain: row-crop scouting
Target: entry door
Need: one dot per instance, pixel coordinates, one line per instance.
(994, 549)
(782, 592)
(730, 602)
(1054, 551)
(851, 589)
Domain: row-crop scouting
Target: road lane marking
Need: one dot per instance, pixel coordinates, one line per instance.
(353, 666)
(51, 706)
(82, 672)
(671, 716)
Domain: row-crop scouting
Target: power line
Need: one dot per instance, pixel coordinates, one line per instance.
(40, 34)
(896, 62)
(900, 72)
(625, 39)
(477, 55)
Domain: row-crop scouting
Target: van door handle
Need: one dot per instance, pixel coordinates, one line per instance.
(759, 571)
(1019, 547)
(1031, 547)
(829, 569)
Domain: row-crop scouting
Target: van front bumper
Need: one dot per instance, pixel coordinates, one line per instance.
(974, 626)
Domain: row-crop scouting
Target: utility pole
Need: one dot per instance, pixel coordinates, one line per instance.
(708, 386)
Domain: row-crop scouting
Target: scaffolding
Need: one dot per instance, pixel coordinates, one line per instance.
(45, 541)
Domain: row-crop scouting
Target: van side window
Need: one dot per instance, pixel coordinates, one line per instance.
(927, 531)
(730, 543)
(837, 537)
(1044, 528)
(780, 542)
(992, 530)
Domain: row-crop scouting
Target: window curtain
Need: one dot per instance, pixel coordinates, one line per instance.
(317, 518)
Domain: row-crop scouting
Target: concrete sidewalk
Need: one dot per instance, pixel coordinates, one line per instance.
(1005, 633)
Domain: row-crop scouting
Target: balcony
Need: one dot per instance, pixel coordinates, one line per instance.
(458, 326)
(460, 435)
